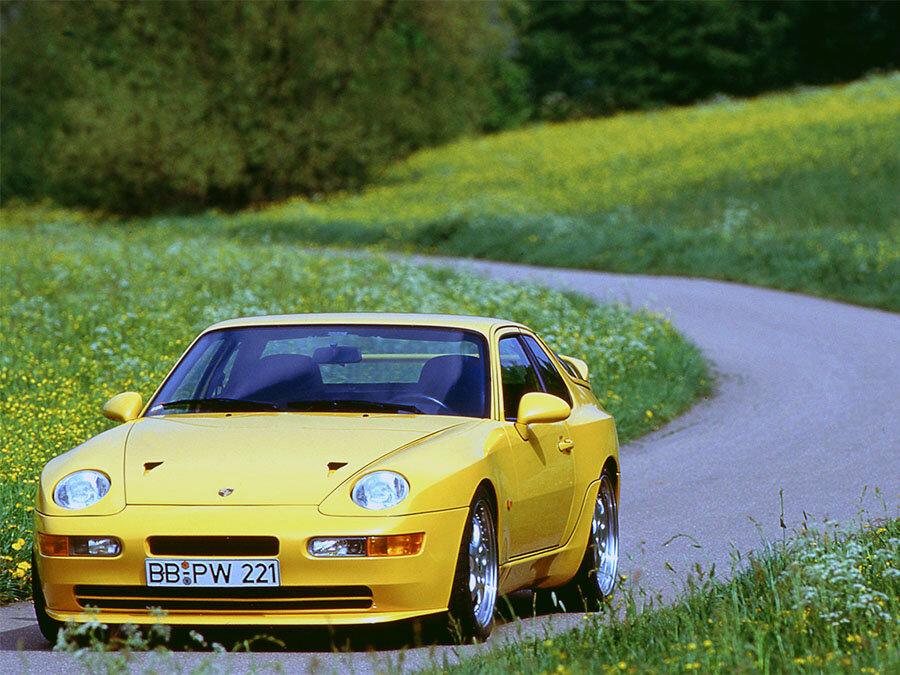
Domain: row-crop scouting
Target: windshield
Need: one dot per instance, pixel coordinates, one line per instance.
(378, 369)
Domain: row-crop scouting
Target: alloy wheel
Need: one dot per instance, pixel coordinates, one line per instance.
(605, 538)
(483, 563)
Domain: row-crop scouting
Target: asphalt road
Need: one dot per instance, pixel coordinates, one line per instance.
(804, 425)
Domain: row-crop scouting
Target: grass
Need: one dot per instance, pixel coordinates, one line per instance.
(89, 310)
(825, 601)
(795, 191)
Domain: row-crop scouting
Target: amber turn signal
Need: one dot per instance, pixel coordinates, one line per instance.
(395, 544)
(53, 545)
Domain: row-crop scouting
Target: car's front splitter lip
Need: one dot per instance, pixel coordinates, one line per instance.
(401, 587)
(249, 619)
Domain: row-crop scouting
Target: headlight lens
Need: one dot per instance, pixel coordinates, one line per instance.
(380, 490)
(81, 489)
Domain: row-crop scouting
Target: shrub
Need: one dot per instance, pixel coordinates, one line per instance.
(138, 107)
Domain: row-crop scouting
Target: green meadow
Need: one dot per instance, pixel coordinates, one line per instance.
(797, 191)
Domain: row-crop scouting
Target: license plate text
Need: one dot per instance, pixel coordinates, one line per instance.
(203, 573)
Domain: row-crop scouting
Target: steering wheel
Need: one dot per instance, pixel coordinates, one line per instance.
(414, 396)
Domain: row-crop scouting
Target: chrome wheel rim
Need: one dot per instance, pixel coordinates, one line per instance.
(483, 564)
(605, 538)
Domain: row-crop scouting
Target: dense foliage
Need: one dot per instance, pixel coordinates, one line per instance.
(796, 191)
(163, 106)
(588, 58)
(147, 106)
(88, 311)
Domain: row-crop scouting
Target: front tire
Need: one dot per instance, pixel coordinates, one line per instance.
(48, 626)
(474, 594)
(595, 580)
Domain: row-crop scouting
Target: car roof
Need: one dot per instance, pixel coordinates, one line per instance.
(481, 324)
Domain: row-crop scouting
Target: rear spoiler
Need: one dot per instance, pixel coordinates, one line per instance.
(582, 372)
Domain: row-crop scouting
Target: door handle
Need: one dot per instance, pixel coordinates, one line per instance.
(566, 445)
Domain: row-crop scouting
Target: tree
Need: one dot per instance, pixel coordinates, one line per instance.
(145, 106)
(591, 57)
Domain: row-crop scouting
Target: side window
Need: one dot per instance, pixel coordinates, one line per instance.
(553, 381)
(518, 376)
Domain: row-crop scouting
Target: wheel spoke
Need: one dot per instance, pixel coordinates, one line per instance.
(482, 564)
(606, 538)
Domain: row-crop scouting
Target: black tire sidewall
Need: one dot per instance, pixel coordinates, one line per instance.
(582, 593)
(462, 622)
(48, 626)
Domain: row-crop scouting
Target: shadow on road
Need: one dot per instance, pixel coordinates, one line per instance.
(24, 635)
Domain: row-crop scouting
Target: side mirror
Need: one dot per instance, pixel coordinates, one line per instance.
(123, 407)
(578, 365)
(538, 408)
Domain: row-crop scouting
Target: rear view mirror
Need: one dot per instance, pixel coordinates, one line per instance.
(337, 355)
(124, 407)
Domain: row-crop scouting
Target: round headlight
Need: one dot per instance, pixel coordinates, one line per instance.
(81, 489)
(380, 490)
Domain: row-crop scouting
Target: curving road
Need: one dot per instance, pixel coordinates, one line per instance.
(806, 408)
(807, 405)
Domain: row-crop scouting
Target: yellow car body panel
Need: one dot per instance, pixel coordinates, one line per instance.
(267, 463)
(398, 585)
(290, 475)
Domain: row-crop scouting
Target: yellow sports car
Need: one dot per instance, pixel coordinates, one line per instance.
(337, 469)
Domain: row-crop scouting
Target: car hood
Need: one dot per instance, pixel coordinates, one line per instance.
(261, 458)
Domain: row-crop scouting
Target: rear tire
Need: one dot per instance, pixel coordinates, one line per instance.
(473, 597)
(48, 626)
(595, 580)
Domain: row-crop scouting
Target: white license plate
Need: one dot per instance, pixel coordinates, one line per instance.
(216, 572)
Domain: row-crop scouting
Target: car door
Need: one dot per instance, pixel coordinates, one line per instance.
(541, 493)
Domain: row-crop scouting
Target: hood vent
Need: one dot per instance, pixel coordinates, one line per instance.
(334, 466)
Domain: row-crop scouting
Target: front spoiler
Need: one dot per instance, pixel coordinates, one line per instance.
(402, 587)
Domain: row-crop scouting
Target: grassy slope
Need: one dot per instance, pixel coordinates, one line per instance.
(819, 603)
(796, 191)
(91, 310)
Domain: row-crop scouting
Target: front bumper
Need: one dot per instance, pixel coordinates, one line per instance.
(400, 587)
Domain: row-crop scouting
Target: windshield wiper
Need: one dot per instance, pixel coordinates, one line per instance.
(220, 403)
(352, 405)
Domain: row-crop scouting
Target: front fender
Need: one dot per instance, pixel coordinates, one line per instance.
(443, 473)
(104, 452)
